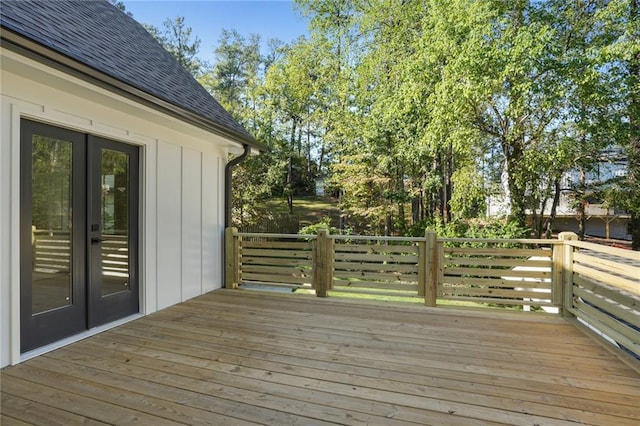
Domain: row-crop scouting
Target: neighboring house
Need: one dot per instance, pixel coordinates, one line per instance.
(600, 221)
(112, 175)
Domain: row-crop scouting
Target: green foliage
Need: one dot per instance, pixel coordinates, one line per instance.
(324, 223)
(416, 111)
(479, 228)
(176, 38)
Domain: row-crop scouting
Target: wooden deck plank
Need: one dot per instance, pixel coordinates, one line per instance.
(30, 412)
(240, 357)
(420, 347)
(285, 373)
(291, 395)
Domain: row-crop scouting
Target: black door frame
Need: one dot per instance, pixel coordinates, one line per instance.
(105, 309)
(88, 308)
(64, 321)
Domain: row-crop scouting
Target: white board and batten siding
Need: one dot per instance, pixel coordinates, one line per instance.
(182, 186)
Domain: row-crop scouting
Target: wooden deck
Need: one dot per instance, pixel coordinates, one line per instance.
(244, 357)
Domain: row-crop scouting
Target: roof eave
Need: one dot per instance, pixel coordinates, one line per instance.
(45, 55)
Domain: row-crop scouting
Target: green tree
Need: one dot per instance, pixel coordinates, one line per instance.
(176, 37)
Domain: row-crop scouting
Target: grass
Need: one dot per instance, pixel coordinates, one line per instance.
(309, 209)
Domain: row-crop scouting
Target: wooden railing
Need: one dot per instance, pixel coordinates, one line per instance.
(602, 290)
(598, 285)
(506, 272)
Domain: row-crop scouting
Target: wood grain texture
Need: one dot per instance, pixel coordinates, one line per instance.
(250, 357)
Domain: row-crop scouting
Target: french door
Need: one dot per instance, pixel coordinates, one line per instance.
(78, 232)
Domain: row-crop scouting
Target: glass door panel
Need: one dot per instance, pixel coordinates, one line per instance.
(113, 230)
(52, 200)
(115, 221)
(52, 234)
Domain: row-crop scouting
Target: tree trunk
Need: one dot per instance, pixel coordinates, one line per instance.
(554, 208)
(447, 172)
(289, 185)
(514, 154)
(581, 208)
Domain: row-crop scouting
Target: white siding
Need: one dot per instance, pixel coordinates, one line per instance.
(212, 218)
(169, 232)
(191, 224)
(181, 184)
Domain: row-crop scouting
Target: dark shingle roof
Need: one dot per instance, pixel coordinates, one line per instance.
(102, 37)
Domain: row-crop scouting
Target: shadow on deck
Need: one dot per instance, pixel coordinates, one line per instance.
(246, 357)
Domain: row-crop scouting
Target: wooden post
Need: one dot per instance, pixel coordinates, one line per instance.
(557, 256)
(567, 271)
(432, 268)
(232, 244)
(423, 266)
(323, 264)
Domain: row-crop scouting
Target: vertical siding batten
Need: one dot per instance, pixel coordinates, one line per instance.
(191, 224)
(169, 224)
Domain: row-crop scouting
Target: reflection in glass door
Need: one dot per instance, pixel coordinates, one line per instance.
(51, 223)
(114, 218)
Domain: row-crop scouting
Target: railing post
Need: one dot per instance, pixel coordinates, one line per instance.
(323, 264)
(423, 266)
(432, 266)
(557, 258)
(232, 244)
(567, 271)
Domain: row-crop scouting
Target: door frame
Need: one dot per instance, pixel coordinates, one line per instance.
(104, 309)
(82, 196)
(75, 311)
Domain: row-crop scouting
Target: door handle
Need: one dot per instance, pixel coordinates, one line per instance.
(96, 240)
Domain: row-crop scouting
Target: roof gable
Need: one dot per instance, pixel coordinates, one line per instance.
(102, 37)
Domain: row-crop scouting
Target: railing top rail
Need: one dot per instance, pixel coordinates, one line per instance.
(627, 254)
(501, 240)
(376, 238)
(267, 235)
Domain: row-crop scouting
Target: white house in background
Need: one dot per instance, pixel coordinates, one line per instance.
(601, 222)
(111, 175)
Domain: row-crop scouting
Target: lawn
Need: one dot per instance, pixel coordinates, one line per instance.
(309, 209)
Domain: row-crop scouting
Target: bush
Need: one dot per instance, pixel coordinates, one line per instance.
(472, 228)
(324, 223)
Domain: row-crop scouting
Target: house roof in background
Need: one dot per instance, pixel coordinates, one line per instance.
(110, 43)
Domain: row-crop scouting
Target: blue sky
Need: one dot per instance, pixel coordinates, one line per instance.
(207, 18)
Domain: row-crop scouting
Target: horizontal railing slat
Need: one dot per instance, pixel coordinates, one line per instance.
(486, 272)
(607, 292)
(276, 278)
(599, 248)
(607, 278)
(300, 254)
(275, 261)
(507, 294)
(473, 251)
(381, 285)
(612, 328)
(289, 245)
(498, 262)
(609, 306)
(375, 248)
(364, 266)
(395, 258)
(630, 271)
(388, 276)
(495, 300)
(496, 282)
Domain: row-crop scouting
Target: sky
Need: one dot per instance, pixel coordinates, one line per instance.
(269, 18)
